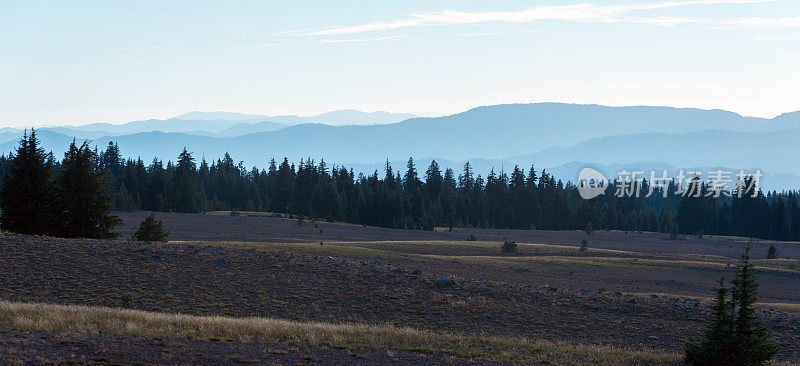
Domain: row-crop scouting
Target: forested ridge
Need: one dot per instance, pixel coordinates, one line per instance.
(434, 197)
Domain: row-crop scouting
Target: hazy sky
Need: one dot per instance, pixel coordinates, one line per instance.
(112, 61)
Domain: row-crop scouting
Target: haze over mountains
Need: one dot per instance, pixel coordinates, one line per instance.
(550, 135)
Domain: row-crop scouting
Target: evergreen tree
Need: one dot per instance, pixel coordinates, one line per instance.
(717, 346)
(151, 230)
(26, 197)
(282, 192)
(411, 179)
(185, 184)
(156, 187)
(83, 200)
(772, 252)
(752, 338)
(736, 336)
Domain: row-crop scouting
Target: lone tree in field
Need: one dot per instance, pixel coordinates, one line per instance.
(26, 198)
(735, 336)
(151, 230)
(83, 198)
(772, 252)
(509, 247)
(584, 245)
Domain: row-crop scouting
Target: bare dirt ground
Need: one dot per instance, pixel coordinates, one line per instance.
(257, 266)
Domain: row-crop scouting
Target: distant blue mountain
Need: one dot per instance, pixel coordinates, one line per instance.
(547, 134)
(248, 128)
(219, 116)
(226, 124)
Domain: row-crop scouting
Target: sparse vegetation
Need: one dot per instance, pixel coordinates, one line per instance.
(584, 245)
(471, 237)
(509, 247)
(126, 301)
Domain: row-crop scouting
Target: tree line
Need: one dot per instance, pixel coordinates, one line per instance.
(409, 199)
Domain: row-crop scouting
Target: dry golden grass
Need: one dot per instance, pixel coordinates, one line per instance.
(781, 306)
(85, 319)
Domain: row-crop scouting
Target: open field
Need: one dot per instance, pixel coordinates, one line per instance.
(615, 261)
(627, 291)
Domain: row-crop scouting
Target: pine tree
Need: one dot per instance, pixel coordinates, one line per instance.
(151, 230)
(772, 252)
(736, 336)
(754, 346)
(185, 183)
(26, 198)
(717, 346)
(83, 199)
(282, 192)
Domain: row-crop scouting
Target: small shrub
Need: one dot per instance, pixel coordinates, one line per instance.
(151, 230)
(235, 213)
(126, 301)
(509, 247)
(471, 238)
(772, 252)
(584, 245)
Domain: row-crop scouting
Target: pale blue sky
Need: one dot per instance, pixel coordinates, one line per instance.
(74, 62)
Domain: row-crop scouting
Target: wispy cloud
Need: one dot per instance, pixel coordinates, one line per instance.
(488, 34)
(253, 46)
(772, 22)
(357, 40)
(579, 12)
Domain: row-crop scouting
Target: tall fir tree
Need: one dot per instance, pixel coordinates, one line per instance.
(83, 200)
(754, 346)
(26, 197)
(185, 183)
(717, 345)
(735, 337)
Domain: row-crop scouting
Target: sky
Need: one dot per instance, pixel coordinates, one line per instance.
(77, 62)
